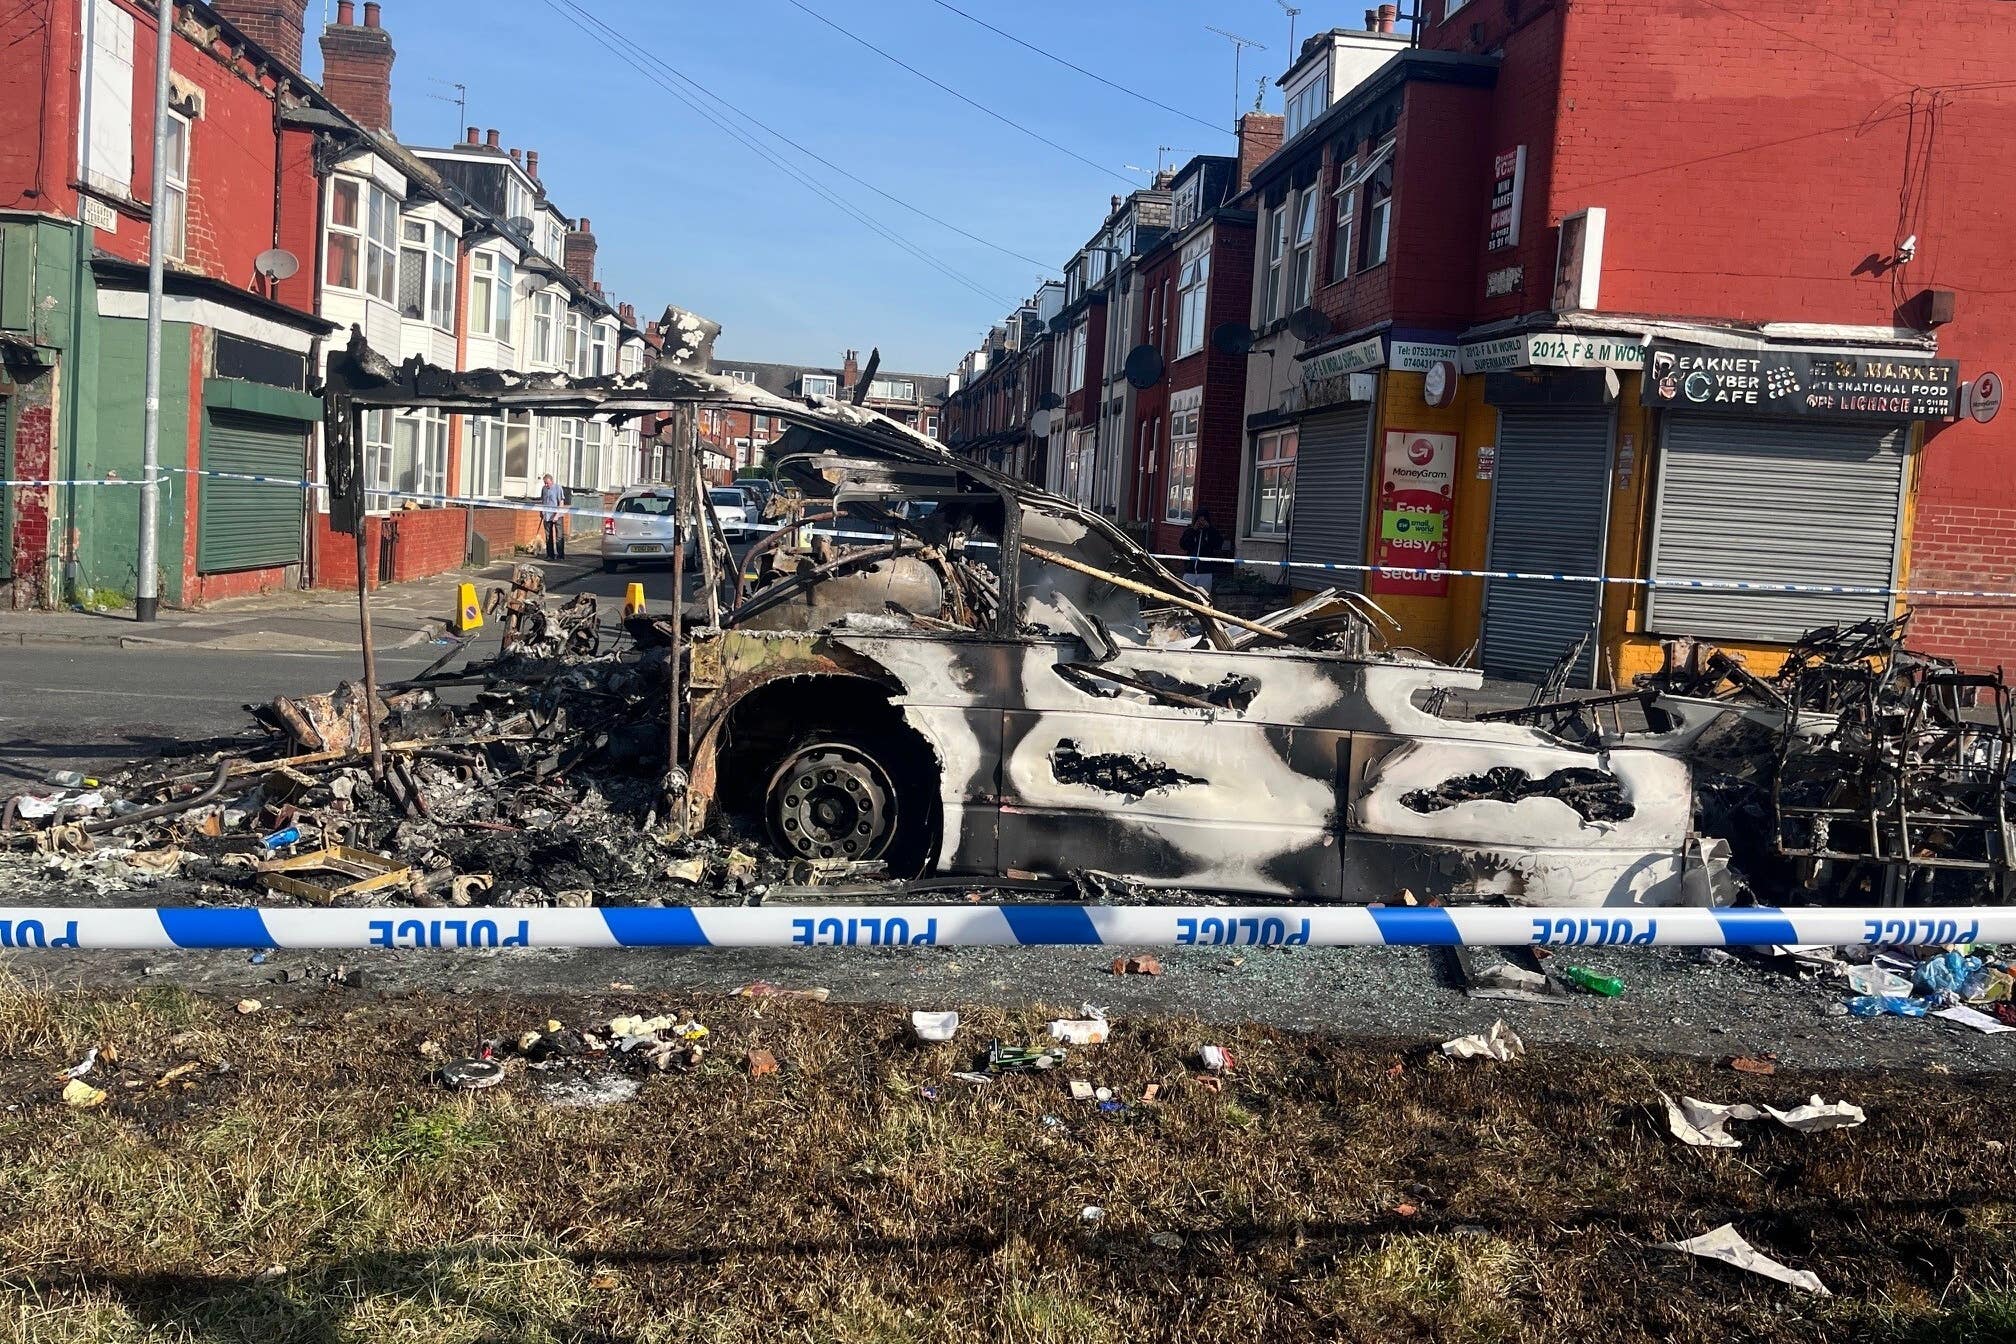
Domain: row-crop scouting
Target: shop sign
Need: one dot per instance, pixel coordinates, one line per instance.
(1487, 461)
(1369, 353)
(1508, 197)
(1578, 261)
(1418, 356)
(1553, 350)
(1416, 499)
(1802, 383)
(1984, 396)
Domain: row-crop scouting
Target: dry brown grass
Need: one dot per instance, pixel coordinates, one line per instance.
(835, 1202)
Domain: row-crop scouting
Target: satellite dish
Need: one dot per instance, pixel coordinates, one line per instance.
(1310, 324)
(520, 225)
(1232, 338)
(1060, 324)
(1049, 401)
(1039, 424)
(1144, 367)
(276, 263)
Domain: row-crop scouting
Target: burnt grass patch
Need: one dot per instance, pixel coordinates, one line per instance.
(300, 1174)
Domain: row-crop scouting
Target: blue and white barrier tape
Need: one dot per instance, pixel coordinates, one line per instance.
(995, 925)
(1398, 571)
(37, 483)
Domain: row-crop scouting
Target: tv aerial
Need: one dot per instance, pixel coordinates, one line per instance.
(1239, 45)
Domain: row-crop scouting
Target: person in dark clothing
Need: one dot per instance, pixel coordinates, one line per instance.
(1201, 540)
(552, 503)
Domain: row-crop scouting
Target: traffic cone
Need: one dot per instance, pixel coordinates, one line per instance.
(468, 611)
(633, 601)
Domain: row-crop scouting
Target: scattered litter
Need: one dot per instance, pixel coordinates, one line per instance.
(179, 1072)
(1764, 1067)
(1215, 1058)
(1975, 1018)
(1504, 980)
(1876, 981)
(1151, 1094)
(1726, 1244)
(1817, 1115)
(1090, 1029)
(80, 1095)
(1703, 1124)
(975, 1078)
(763, 989)
(270, 1274)
(1141, 965)
(1081, 1090)
(247, 1007)
(1091, 1213)
(89, 1063)
(1879, 1005)
(471, 1075)
(1167, 1241)
(1716, 956)
(935, 1026)
(1406, 1210)
(760, 1063)
(1019, 1058)
(1500, 1043)
(691, 871)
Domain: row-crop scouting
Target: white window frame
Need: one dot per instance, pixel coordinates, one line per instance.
(483, 474)
(1302, 263)
(518, 426)
(571, 442)
(1268, 458)
(546, 316)
(1377, 243)
(174, 205)
(931, 426)
(1276, 262)
(1076, 380)
(1188, 204)
(483, 293)
(373, 237)
(819, 385)
(886, 389)
(1307, 103)
(441, 265)
(377, 459)
(604, 341)
(1193, 295)
(1180, 496)
(1343, 222)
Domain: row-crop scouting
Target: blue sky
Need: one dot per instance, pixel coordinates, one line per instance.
(686, 214)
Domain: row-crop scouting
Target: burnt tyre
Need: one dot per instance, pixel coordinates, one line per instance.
(854, 801)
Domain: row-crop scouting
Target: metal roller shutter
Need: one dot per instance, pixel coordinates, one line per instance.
(1780, 500)
(6, 491)
(1549, 512)
(1332, 468)
(246, 524)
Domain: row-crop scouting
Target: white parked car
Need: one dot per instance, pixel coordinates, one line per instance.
(640, 528)
(731, 506)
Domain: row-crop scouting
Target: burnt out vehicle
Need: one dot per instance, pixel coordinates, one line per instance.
(941, 668)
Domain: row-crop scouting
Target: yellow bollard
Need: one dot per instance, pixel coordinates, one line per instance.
(633, 600)
(469, 612)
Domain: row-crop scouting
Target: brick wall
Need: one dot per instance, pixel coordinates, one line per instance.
(31, 461)
(424, 542)
(276, 25)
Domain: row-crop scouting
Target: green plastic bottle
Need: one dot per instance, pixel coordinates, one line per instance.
(1609, 986)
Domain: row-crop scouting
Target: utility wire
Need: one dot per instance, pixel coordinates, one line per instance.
(1005, 121)
(1048, 55)
(782, 165)
(684, 78)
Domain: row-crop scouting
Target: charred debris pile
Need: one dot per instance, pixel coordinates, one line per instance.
(534, 777)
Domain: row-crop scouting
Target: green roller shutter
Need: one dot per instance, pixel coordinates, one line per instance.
(250, 524)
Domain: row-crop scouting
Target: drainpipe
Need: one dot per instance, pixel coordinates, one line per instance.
(316, 372)
(147, 595)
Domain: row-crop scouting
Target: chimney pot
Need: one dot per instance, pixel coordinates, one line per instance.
(585, 226)
(1388, 16)
(346, 13)
(492, 139)
(532, 164)
(470, 137)
(515, 155)
(371, 13)
(1371, 20)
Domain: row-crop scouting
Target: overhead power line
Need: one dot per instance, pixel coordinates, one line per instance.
(567, 10)
(684, 78)
(947, 88)
(1097, 78)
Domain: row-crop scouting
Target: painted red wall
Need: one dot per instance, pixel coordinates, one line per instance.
(38, 153)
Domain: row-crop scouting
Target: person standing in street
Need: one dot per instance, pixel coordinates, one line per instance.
(552, 504)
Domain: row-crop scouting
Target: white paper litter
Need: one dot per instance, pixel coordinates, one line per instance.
(1975, 1018)
(935, 1026)
(79, 1070)
(1726, 1244)
(1704, 1124)
(1500, 1043)
(33, 808)
(1876, 980)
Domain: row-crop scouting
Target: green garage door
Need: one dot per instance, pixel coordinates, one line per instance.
(250, 524)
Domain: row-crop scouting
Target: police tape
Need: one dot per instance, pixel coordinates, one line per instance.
(1328, 566)
(1723, 585)
(1024, 925)
(36, 483)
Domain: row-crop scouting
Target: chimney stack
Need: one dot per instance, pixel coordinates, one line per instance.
(580, 249)
(1259, 137)
(1388, 16)
(492, 139)
(357, 66)
(276, 25)
(532, 164)
(850, 372)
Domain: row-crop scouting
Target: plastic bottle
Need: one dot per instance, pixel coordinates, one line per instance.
(70, 779)
(280, 839)
(1877, 1005)
(1609, 986)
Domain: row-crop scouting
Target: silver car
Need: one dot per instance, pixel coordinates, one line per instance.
(640, 528)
